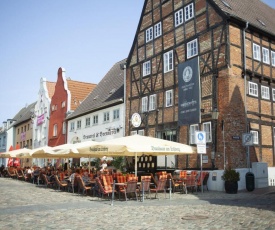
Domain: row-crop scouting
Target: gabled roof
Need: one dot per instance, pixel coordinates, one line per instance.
(51, 88)
(24, 114)
(108, 92)
(79, 91)
(256, 12)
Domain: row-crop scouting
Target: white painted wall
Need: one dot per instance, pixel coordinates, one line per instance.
(41, 120)
(99, 132)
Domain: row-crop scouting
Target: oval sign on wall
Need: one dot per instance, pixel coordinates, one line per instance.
(136, 120)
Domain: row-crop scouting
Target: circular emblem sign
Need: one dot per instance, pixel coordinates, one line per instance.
(187, 74)
(136, 120)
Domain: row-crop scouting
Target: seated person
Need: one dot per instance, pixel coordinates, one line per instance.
(85, 177)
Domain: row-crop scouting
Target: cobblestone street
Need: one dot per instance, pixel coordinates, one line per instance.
(28, 206)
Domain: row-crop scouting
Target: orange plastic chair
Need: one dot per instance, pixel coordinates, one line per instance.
(107, 181)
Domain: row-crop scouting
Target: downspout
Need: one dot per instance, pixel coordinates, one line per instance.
(124, 73)
(245, 80)
(245, 93)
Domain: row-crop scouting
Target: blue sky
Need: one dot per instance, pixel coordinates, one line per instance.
(86, 37)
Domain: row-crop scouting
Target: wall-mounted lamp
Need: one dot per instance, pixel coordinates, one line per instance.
(215, 114)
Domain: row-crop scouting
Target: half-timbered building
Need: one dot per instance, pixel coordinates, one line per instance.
(232, 45)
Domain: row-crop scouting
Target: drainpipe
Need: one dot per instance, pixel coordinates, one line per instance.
(124, 72)
(245, 93)
(245, 82)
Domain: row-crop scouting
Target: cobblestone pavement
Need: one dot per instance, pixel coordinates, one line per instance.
(28, 206)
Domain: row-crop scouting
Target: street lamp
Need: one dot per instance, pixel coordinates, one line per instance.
(215, 116)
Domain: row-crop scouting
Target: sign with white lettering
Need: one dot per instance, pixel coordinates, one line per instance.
(189, 92)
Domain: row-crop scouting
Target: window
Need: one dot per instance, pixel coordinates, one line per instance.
(157, 30)
(169, 98)
(95, 119)
(273, 58)
(149, 34)
(179, 17)
(78, 124)
(193, 129)
(64, 127)
(72, 126)
(88, 122)
(253, 89)
(168, 61)
(256, 52)
(192, 48)
(265, 92)
(273, 94)
(255, 137)
(146, 68)
(55, 130)
(152, 102)
(208, 131)
(106, 117)
(189, 11)
(141, 132)
(116, 114)
(46, 131)
(63, 104)
(266, 56)
(144, 104)
(133, 132)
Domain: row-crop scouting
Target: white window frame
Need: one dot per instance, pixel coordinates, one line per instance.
(146, 68)
(255, 136)
(55, 130)
(192, 132)
(144, 104)
(169, 98)
(192, 48)
(272, 58)
(189, 12)
(106, 116)
(178, 17)
(266, 58)
(78, 124)
(208, 131)
(152, 102)
(72, 126)
(273, 94)
(253, 89)
(141, 132)
(64, 127)
(133, 132)
(149, 34)
(265, 92)
(168, 61)
(116, 114)
(95, 119)
(87, 122)
(63, 104)
(157, 30)
(256, 52)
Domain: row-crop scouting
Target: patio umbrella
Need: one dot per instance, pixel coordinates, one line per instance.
(18, 153)
(144, 145)
(137, 145)
(85, 149)
(42, 152)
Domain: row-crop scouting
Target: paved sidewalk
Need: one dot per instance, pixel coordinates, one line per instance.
(28, 206)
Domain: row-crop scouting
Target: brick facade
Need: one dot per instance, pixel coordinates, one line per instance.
(221, 61)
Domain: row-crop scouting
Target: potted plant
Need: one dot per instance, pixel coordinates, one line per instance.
(231, 178)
